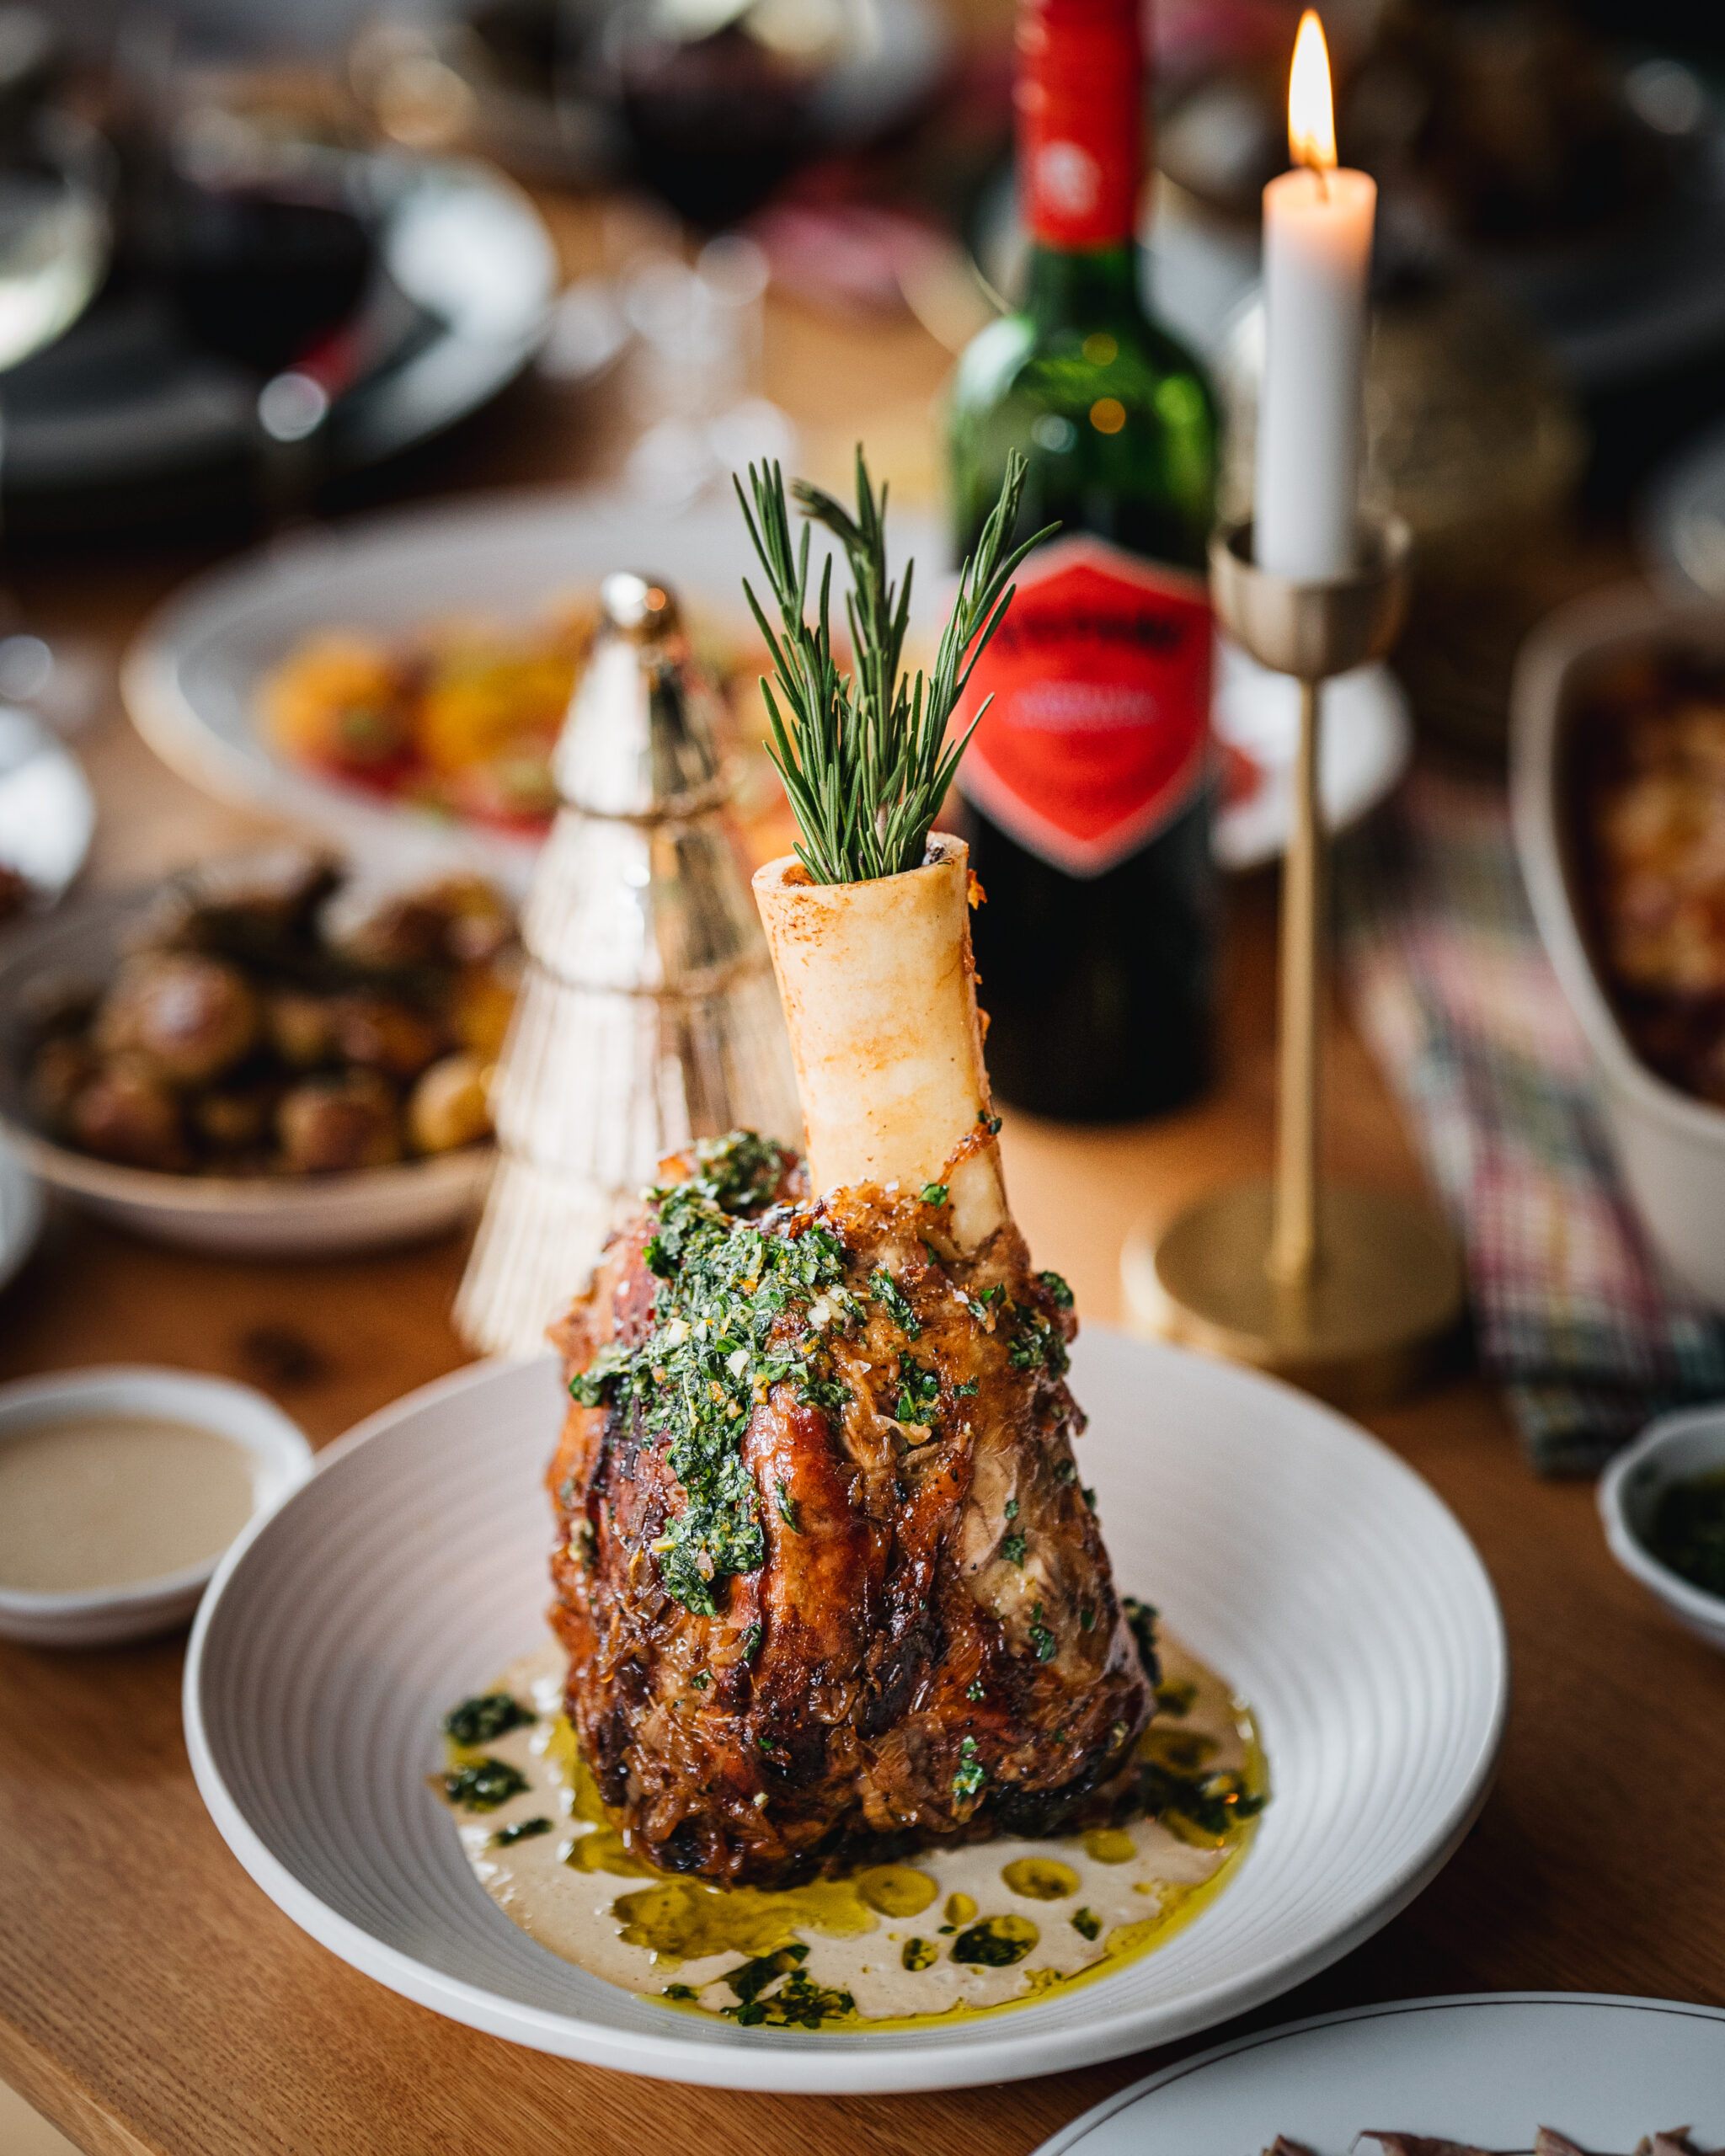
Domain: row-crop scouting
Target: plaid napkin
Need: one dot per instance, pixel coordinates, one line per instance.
(1450, 986)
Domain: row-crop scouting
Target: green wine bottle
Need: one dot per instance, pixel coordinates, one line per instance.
(1088, 786)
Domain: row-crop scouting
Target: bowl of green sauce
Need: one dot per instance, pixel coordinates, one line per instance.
(1663, 1502)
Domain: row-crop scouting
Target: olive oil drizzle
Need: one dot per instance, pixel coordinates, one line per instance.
(1038, 1911)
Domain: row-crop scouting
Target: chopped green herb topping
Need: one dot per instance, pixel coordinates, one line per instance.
(892, 1298)
(990, 1124)
(972, 1775)
(587, 1387)
(920, 1954)
(752, 1642)
(1086, 1620)
(1058, 1288)
(1036, 1343)
(1011, 1508)
(1012, 1548)
(934, 1193)
(520, 1830)
(786, 1508)
(968, 1391)
(482, 1784)
(976, 1689)
(919, 1392)
(1067, 1471)
(701, 1679)
(1086, 1923)
(485, 1718)
(691, 1383)
(1042, 1640)
(830, 1393)
(1089, 1497)
(681, 1991)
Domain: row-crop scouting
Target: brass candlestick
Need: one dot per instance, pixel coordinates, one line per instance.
(1344, 1290)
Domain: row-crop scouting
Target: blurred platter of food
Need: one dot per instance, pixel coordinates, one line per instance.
(263, 1054)
(47, 815)
(396, 684)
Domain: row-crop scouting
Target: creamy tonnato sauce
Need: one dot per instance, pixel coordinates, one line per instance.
(100, 1501)
(949, 1931)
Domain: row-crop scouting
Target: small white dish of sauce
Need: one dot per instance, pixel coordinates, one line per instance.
(120, 1489)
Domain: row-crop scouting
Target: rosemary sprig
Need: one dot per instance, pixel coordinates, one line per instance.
(864, 756)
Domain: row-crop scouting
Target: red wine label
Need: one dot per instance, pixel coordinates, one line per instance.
(1098, 732)
(1080, 102)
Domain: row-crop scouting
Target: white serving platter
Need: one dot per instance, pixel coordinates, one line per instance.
(1486, 2069)
(1290, 1549)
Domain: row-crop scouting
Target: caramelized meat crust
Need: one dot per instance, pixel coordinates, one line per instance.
(920, 1638)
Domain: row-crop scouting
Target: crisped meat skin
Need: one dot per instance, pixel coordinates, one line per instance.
(903, 1573)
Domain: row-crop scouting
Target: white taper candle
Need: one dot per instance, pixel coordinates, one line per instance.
(1317, 228)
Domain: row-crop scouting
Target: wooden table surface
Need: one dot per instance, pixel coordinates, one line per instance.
(151, 1998)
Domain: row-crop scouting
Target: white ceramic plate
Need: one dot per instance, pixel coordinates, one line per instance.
(1487, 2070)
(190, 682)
(273, 1216)
(1291, 1550)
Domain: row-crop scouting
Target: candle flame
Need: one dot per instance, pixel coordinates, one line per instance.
(1311, 116)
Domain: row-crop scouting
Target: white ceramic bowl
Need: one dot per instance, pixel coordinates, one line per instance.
(1670, 1146)
(251, 1216)
(100, 1616)
(1289, 1550)
(1676, 1448)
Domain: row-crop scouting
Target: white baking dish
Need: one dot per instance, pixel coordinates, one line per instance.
(1671, 1147)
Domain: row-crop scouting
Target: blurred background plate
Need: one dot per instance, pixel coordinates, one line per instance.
(127, 422)
(1682, 525)
(1366, 742)
(47, 812)
(192, 679)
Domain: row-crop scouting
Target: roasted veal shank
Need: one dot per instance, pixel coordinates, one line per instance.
(826, 1574)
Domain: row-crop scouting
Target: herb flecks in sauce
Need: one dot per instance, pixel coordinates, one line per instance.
(649, 1927)
(482, 1784)
(522, 1830)
(996, 1942)
(485, 1718)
